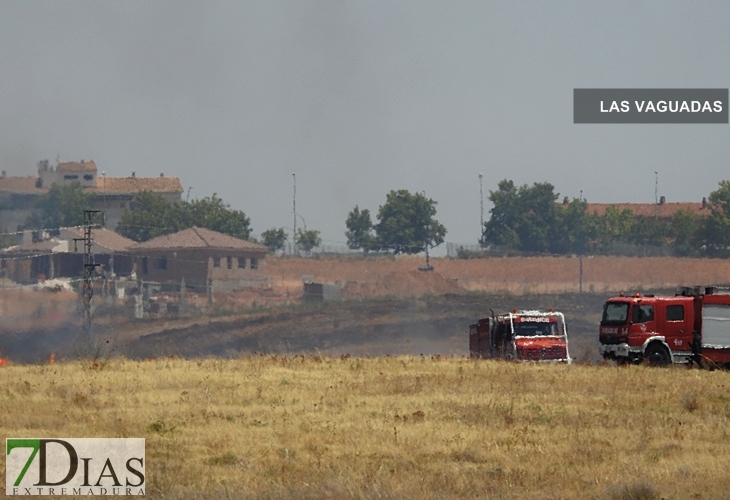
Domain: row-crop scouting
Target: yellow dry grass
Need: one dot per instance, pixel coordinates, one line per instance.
(403, 427)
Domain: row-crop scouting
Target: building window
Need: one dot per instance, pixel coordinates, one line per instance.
(254, 263)
(242, 263)
(216, 262)
(161, 263)
(70, 177)
(144, 265)
(88, 177)
(229, 262)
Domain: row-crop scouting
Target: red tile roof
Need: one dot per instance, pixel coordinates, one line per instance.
(137, 184)
(198, 237)
(25, 185)
(102, 237)
(662, 210)
(77, 166)
(131, 185)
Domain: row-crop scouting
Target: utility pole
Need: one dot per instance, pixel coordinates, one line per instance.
(88, 291)
(656, 194)
(481, 211)
(185, 213)
(580, 249)
(294, 205)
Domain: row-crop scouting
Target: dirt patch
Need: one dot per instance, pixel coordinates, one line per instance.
(378, 276)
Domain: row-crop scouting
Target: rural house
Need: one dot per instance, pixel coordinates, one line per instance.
(61, 257)
(19, 195)
(663, 211)
(201, 258)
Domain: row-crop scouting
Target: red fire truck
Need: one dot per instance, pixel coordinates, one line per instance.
(521, 335)
(694, 325)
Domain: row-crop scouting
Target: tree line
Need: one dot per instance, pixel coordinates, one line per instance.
(406, 221)
(524, 218)
(151, 215)
(529, 219)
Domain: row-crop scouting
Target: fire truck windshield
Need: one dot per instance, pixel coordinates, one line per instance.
(615, 313)
(536, 329)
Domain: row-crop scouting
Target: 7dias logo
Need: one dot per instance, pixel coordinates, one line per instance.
(74, 466)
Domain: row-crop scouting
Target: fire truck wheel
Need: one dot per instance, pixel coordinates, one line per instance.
(657, 355)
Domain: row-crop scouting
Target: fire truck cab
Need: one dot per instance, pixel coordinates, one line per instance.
(521, 335)
(694, 325)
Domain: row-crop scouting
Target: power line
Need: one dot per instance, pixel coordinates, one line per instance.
(89, 268)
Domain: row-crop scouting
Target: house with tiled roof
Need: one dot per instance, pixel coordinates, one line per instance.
(62, 257)
(113, 195)
(202, 258)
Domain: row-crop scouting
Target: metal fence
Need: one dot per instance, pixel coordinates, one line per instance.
(619, 249)
(327, 248)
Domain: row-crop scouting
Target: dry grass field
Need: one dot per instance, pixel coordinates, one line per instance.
(391, 427)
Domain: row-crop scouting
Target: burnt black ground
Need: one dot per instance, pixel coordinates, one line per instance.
(385, 326)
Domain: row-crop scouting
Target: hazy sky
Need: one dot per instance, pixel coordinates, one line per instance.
(359, 98)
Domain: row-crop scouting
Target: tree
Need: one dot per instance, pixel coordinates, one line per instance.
(715, 235)
(527, 218)
(649, 231)
(61, 206)
(721, 198)
(274, 238)
(308, 239)
(406, 223)
(684, 227)
(212, 213)
(153, 216)
(359, 229)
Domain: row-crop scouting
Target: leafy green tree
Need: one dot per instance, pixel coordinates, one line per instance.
(61, 206)
(360, 229)
(649, 231)
(504, 222)
(715, 235)
(274, 238)
(720, 198)
(527, 218)
(614, 225)
(153, 216)
(406, 223)
(211, 213)
(308, 239)
(685, 228)
(574, 228)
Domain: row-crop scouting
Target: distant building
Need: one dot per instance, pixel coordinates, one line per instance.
(662, 210)
(201, 257)
(19, 195)
(61, 257)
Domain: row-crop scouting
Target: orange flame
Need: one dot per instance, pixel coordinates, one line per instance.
(52, 358)
(4, 361)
